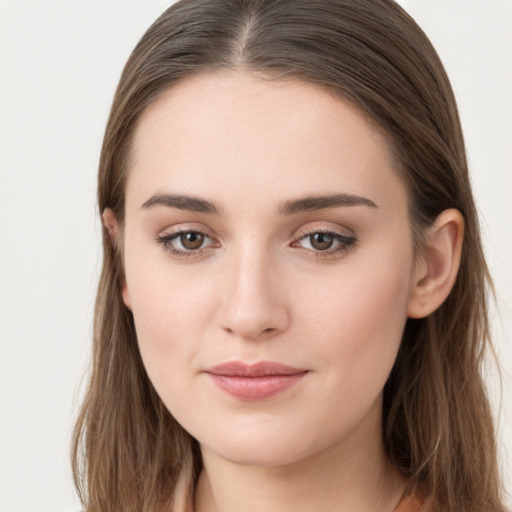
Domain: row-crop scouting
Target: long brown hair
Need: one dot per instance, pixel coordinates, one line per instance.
(129, 453)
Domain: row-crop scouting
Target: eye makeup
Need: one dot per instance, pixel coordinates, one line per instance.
(189, 242)
(186, 242)
(324, 243)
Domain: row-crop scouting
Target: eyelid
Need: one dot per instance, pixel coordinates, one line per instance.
(168, 235)
(346, 241)
(312, 228)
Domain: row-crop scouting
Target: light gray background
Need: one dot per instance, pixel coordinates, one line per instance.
(59, 64)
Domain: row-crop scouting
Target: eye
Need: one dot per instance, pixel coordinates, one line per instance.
(320, 241)
(191, 241)
(185, 242)
(325, 243)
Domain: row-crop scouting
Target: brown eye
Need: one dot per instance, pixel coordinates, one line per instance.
(328, 244)
(186, 243)
(321, 241)
(192, 241)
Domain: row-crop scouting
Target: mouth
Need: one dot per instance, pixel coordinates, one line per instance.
(254, 381)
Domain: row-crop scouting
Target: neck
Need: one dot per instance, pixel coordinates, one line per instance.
(355, 474)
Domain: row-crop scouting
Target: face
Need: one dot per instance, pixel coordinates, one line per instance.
(269, 263)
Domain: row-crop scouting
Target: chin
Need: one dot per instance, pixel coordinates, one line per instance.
(264, 447)
(259, 456)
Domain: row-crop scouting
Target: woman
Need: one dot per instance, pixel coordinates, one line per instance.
(292, 309)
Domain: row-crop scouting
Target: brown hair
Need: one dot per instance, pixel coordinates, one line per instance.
(129, 453)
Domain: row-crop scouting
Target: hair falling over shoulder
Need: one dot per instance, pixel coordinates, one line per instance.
(129, 454)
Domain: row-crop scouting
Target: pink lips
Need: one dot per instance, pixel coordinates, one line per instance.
(256, 381)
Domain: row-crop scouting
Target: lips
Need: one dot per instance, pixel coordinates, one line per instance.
(254, 382)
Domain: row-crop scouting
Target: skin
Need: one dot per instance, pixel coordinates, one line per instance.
(259, 288)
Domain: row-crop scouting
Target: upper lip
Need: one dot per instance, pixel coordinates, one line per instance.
(260, 369)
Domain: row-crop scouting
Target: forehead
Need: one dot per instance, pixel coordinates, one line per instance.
(220, 132)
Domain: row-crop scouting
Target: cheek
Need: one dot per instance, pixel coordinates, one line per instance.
(358, 318)
(170, 326)
(351, 326)
(167, 310)
(171, 314)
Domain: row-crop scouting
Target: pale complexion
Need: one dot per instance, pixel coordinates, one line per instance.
(225, 262)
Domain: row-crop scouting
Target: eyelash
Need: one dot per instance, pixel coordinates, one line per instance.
(343, 243)
(166, 241)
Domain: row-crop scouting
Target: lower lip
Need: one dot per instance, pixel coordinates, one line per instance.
(255, 388)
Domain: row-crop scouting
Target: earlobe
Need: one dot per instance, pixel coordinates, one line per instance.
(112, 227)
(437, 269)
(125, 293)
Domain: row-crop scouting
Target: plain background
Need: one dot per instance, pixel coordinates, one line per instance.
(59, 64)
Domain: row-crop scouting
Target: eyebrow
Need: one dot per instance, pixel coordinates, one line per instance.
(182, 202)
(313, 203)
(305, 204)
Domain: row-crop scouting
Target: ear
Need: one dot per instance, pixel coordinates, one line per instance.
(113, 229)
(111, 225)
(436, 270)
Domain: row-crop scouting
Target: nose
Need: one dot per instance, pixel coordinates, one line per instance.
(254, 302)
